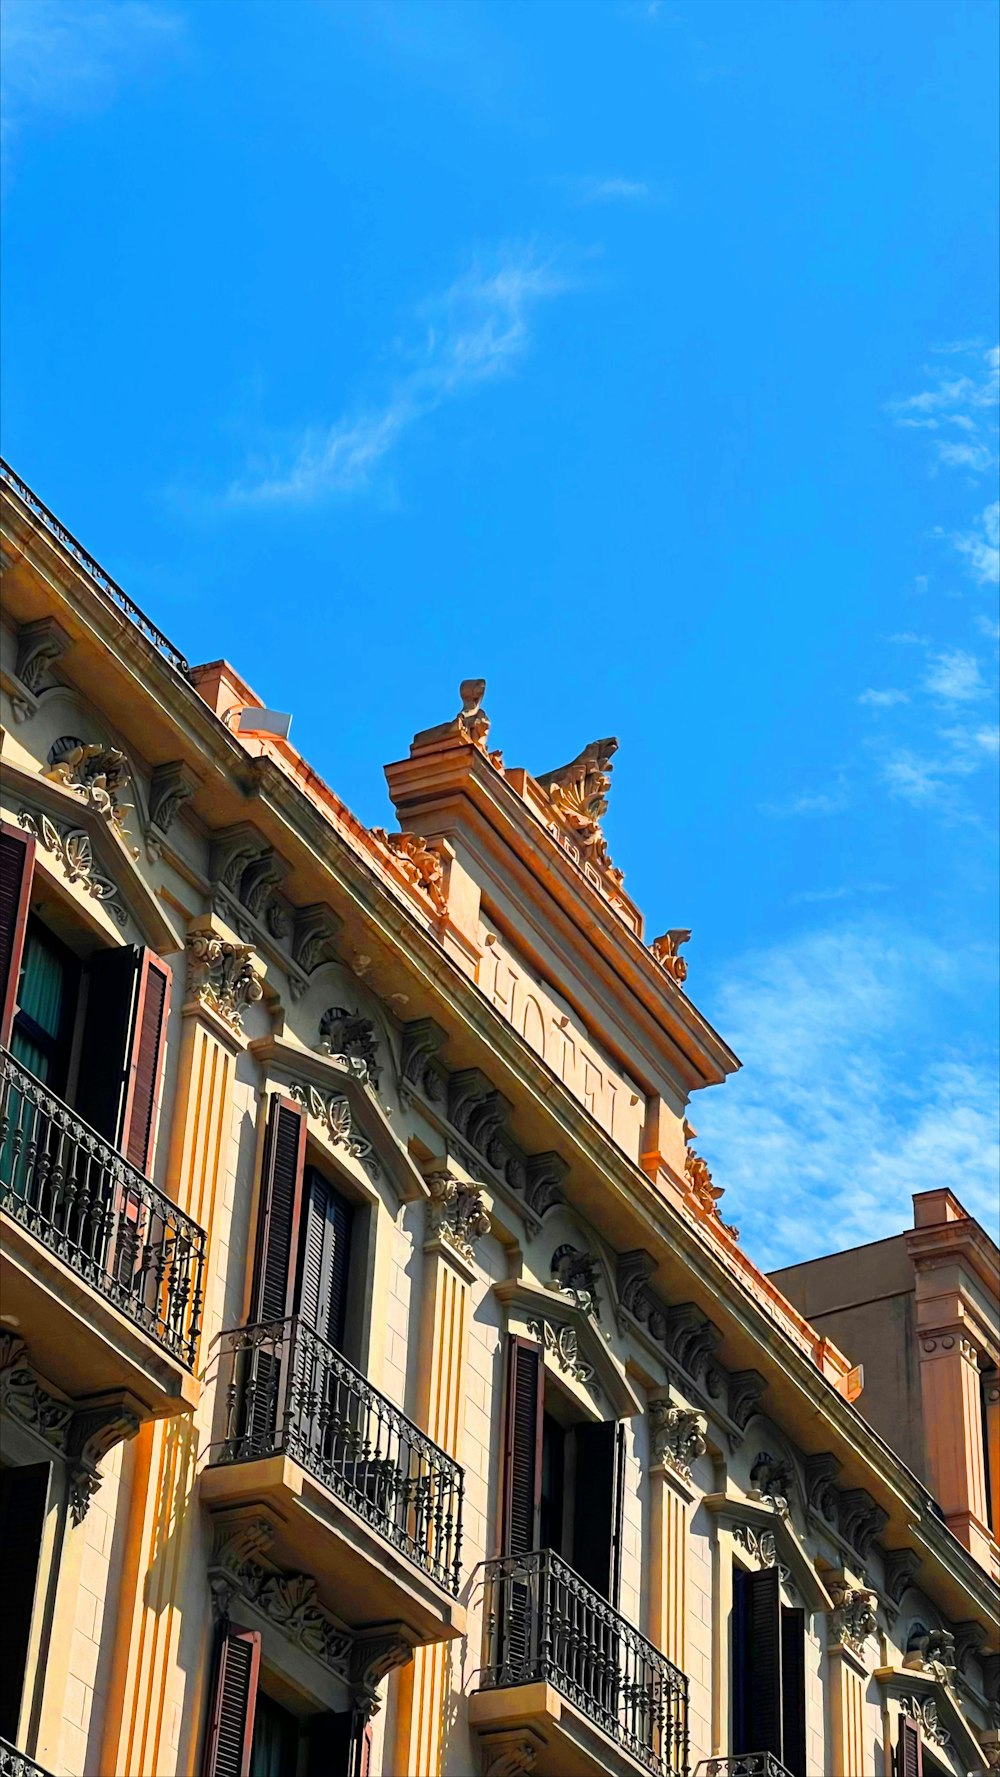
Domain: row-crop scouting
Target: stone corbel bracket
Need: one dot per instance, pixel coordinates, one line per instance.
(39, 646)
(170, 786)
(731, 1510)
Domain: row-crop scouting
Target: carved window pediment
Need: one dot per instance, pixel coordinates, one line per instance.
(576, 1350)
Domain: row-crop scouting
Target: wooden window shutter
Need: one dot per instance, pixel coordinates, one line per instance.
(106, 1051)
(234, 1696)
(522, 1479)
(763, 1650)
(793, 1691)
(145, 1061)
(17, 862)
(618, 1516)
(324, 1266)
(272, 1294)
(594, 1504)
(909, 1751)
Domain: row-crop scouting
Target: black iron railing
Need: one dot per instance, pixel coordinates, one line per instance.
(543, 1622)
(109, 587)
(288, 1390)
(742, 1764)
(18, 1764)
(85, 1203)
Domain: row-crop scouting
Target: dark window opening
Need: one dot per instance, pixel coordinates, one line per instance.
(768, 1677)
(24, 1495)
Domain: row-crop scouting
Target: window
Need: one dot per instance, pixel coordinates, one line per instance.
(768, 1671)
(251, 1734)
(46, 1007)
(24, 1493)
(324, 1257)
(563, 1480)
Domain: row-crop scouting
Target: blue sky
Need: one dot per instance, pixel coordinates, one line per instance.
(639, 356)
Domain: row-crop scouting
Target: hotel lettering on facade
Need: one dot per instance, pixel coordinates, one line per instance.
(384, 1392)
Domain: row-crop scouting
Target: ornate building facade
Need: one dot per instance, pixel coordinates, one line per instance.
(384, 1391)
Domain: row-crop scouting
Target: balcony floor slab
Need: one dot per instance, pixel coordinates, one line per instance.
(565, 1742)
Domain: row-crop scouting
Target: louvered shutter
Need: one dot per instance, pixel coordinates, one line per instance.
(909, 1752)
(272, 1294)
(793, 1691)
(230, 1725)
(763, 1648)
(522, 1447)
(618, 1516)
(106, 1050)
(324, 1266)
(17, 861)
(145, 1060)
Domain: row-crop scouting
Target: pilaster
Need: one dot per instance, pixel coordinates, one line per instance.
(851, 1622)
(676, 1439)
(951, 1394)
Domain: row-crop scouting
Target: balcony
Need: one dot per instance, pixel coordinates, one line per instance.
(358, 1495)
(17, 1764)
(564, 1669)
(102, 1274)
(742, 1764)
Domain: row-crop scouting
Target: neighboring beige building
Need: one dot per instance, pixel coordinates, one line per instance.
(383, 1393)
(920, 1312)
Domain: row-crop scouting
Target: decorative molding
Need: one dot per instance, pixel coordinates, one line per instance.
(95, 1430)
(420, 861)
(578, 794)
(861, 1519)
(564, 1345)
(853, 1618)
(576, 1272)
(222, 976)
(314, 931)
(96, 773)
(772, 1479)
(901, 1566)
(761, 1546)
(666, 951)
(508, 1757)
(288, 1600)
(746, 1391)
(352, 1037)
(544, 1175)
(231, 850)
(677, 1436)
(170, 786)
(455, 1213)
(422, 1041)
(72, 847)
(924, 1711)
(705, 1194)
(333, 1111)
(259, 883)
(24, 1399)
(373, 1657)
(39, 645)
(822, 1493)
(968, 1638)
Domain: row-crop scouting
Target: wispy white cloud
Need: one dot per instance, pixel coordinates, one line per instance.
(614, 191)
(845, 891)
(63, 57)
(981, 547)
(475, 333)
(832, 801)
(963, 403)
(953, 676)
(848, 1101)
(884, 700)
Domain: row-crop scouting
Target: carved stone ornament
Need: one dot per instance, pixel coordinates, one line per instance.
(422, 1041)
(508, 1758)
(931, 1651)
(746, 1391)
(685, 1334)
(923, 1710)
(704, 1193)
(771, 1480)
(288, 1600)
(666, 951)
(313, 933)
(170, 786)
(578, 793)
(861, 1519)
(373, 1657)
(24, 1399)
(221, 975)
(561, 1340)
(455, 1213)
(472, 724)
(822, 1493)
(543, 1187)
(348, 1034)
(333, 1111)
(73, 849)
(39, 644)
(94, 1431)
(420, 862)
(853, 1617)
(576, 1273)
(901, 1567)
(96, 773)
(761, 1546)
(969, 1637)
(677, 1436)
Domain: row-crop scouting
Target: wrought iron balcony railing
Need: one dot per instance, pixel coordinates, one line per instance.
(17, 1764)
(86, 1203)
(288, 1390)
(543, 1622)
(742, 1764)
(109, 587)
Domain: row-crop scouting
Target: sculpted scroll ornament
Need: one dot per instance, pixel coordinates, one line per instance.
(348, 1034)
(421, 864)
(771, 1480)
(666, 950)
(853, 1617)
(923, 1710)
(288, 1600)
(72, 848)
(761, 1546)
(96, 773)
(677, 1436)
(705, 1194)
(221, 975)
(578, 793)
(333, 1111)
(562, 1342)
(456, 1213)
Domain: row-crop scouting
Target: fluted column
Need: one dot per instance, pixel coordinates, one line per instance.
(676, 1440)
(852, 1621)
